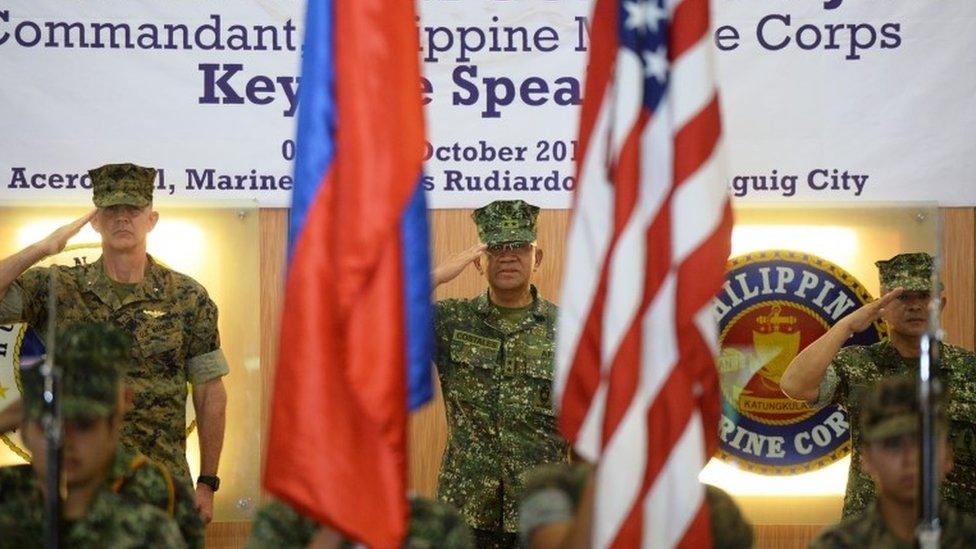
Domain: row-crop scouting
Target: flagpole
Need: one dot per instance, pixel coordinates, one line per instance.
(51, 422)
(929, 529)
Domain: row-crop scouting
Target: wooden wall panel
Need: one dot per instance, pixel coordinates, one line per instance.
(274, 240)
(784, 536)
(227, 535)
(959, 251)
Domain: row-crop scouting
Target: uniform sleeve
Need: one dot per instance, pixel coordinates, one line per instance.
(26, 298)
(206, 359)
(828, 388)
(443, 315)
(278, 525)
(834, 385)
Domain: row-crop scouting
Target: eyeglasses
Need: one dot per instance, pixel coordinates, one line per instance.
(496, 250)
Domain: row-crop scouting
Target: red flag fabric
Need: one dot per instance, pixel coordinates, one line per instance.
(336, 449)
(636, 382)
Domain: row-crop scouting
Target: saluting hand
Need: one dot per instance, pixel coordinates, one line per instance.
(448, 270)
(862, 318)
(56, 241)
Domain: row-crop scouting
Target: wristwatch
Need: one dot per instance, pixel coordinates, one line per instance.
(213, 481)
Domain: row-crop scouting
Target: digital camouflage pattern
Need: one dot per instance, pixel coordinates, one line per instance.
(506, 221)
(432, 525)
(93, 358)
(553, 492)
(890, 409)
(174, 325)
(869, 530)
(496, 377)
(138, 478)
(856, 368)
(122, 184)
(912, 271)
(111, 521)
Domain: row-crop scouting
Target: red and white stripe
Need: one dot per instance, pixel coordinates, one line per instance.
(635, 373)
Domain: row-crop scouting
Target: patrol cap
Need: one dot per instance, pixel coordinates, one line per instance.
(93, 358)
(912, 271)
(890, 408)
(122, 184)
(506, 221)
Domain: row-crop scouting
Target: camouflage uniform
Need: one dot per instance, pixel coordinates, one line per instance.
(92, 358)
(432, 524)
(111, 520)
(138, 478)
(869, 530)
(170, 316)
(889, 408)
(553, 492)
(496, 371)
(856, 367)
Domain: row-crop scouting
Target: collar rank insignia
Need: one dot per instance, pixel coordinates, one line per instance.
(154, 314)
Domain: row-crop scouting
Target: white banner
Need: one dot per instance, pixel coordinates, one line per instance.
(833, 100)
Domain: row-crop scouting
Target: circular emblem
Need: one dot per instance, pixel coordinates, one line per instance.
(20, 343)
(772, 305)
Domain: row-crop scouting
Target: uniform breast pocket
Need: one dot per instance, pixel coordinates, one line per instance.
(160, 343)
(539, 372)
(471, 378)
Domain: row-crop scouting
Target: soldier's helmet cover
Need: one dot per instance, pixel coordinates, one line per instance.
(93, 358)
(911, 271)
(890, 408)
(506, 221)
(122, 184)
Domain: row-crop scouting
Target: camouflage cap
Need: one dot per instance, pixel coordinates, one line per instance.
(890, 408)
(93, 358)
(506, 221)
(913, 272)
(122, 184)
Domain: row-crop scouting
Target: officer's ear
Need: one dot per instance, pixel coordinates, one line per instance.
(538, 258)
(96, 221)
(478, 265)
(153, 217)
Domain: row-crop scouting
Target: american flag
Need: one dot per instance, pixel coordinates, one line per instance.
(636, 383)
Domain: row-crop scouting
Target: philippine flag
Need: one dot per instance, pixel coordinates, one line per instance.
(356, 331)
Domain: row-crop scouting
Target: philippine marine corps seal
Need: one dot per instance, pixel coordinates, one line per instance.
(772, 305)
